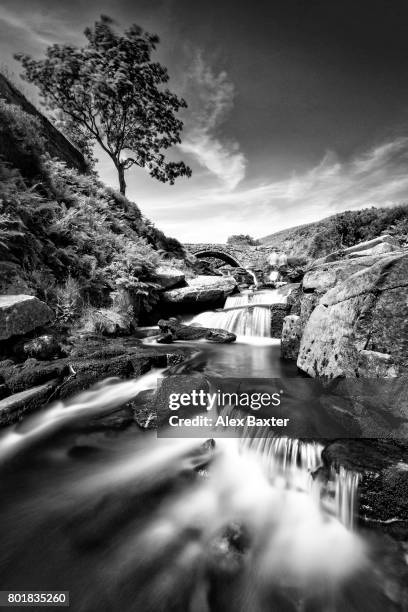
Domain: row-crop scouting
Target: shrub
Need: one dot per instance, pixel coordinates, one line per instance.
(105, 321)
(68, 301)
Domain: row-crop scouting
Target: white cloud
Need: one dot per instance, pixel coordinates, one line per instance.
(378, 177)
(211, 98)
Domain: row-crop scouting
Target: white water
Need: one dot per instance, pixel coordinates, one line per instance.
(263, 487)
(246, 314)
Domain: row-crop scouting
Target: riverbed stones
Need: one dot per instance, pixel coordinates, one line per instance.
(20, 314)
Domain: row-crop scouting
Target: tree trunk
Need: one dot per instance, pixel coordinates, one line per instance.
(122, 182)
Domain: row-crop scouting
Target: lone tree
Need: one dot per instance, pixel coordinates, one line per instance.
(112, 90)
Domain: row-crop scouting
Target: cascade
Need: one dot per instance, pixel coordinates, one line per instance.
(245, 314)
(293, 462)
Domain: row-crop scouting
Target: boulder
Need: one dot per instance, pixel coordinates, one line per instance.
(20, 314)
(169, 277)
(291, 334)
(202, 292)
(323, 276)
(366, 312)
(172, 330)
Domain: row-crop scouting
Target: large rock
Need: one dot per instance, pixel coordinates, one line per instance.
(169, 277)
(20, 314)
(323, 276)
(172, 330)
(366, 312)
(202, 292)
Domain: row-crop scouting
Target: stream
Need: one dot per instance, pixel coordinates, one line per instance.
(128, 521)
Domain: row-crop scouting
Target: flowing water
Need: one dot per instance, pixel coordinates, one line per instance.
(246, 314)
(127, 521)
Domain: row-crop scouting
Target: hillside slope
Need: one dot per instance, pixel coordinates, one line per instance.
(64, 236)
(341, 230)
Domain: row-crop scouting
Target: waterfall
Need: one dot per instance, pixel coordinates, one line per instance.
(246, 314)
(295, 463)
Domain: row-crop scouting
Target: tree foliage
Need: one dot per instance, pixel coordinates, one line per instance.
(242, 239)
(113, 91)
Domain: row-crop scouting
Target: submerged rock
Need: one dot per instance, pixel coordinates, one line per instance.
(20, 314)
(172, 330)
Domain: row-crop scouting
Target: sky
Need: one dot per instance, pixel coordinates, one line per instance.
(297, 109)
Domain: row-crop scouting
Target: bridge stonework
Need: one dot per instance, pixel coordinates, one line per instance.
(245, 256)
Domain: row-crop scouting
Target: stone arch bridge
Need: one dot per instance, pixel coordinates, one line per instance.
(236, 255)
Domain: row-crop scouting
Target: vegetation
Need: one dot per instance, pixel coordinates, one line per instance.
(342, 230)
(243, 239)
(69, 239)
(110, 92)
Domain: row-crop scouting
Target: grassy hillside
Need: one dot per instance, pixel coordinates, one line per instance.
(341, 230)
(65, 236)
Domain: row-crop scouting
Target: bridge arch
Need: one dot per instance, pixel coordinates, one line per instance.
(218, 254)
